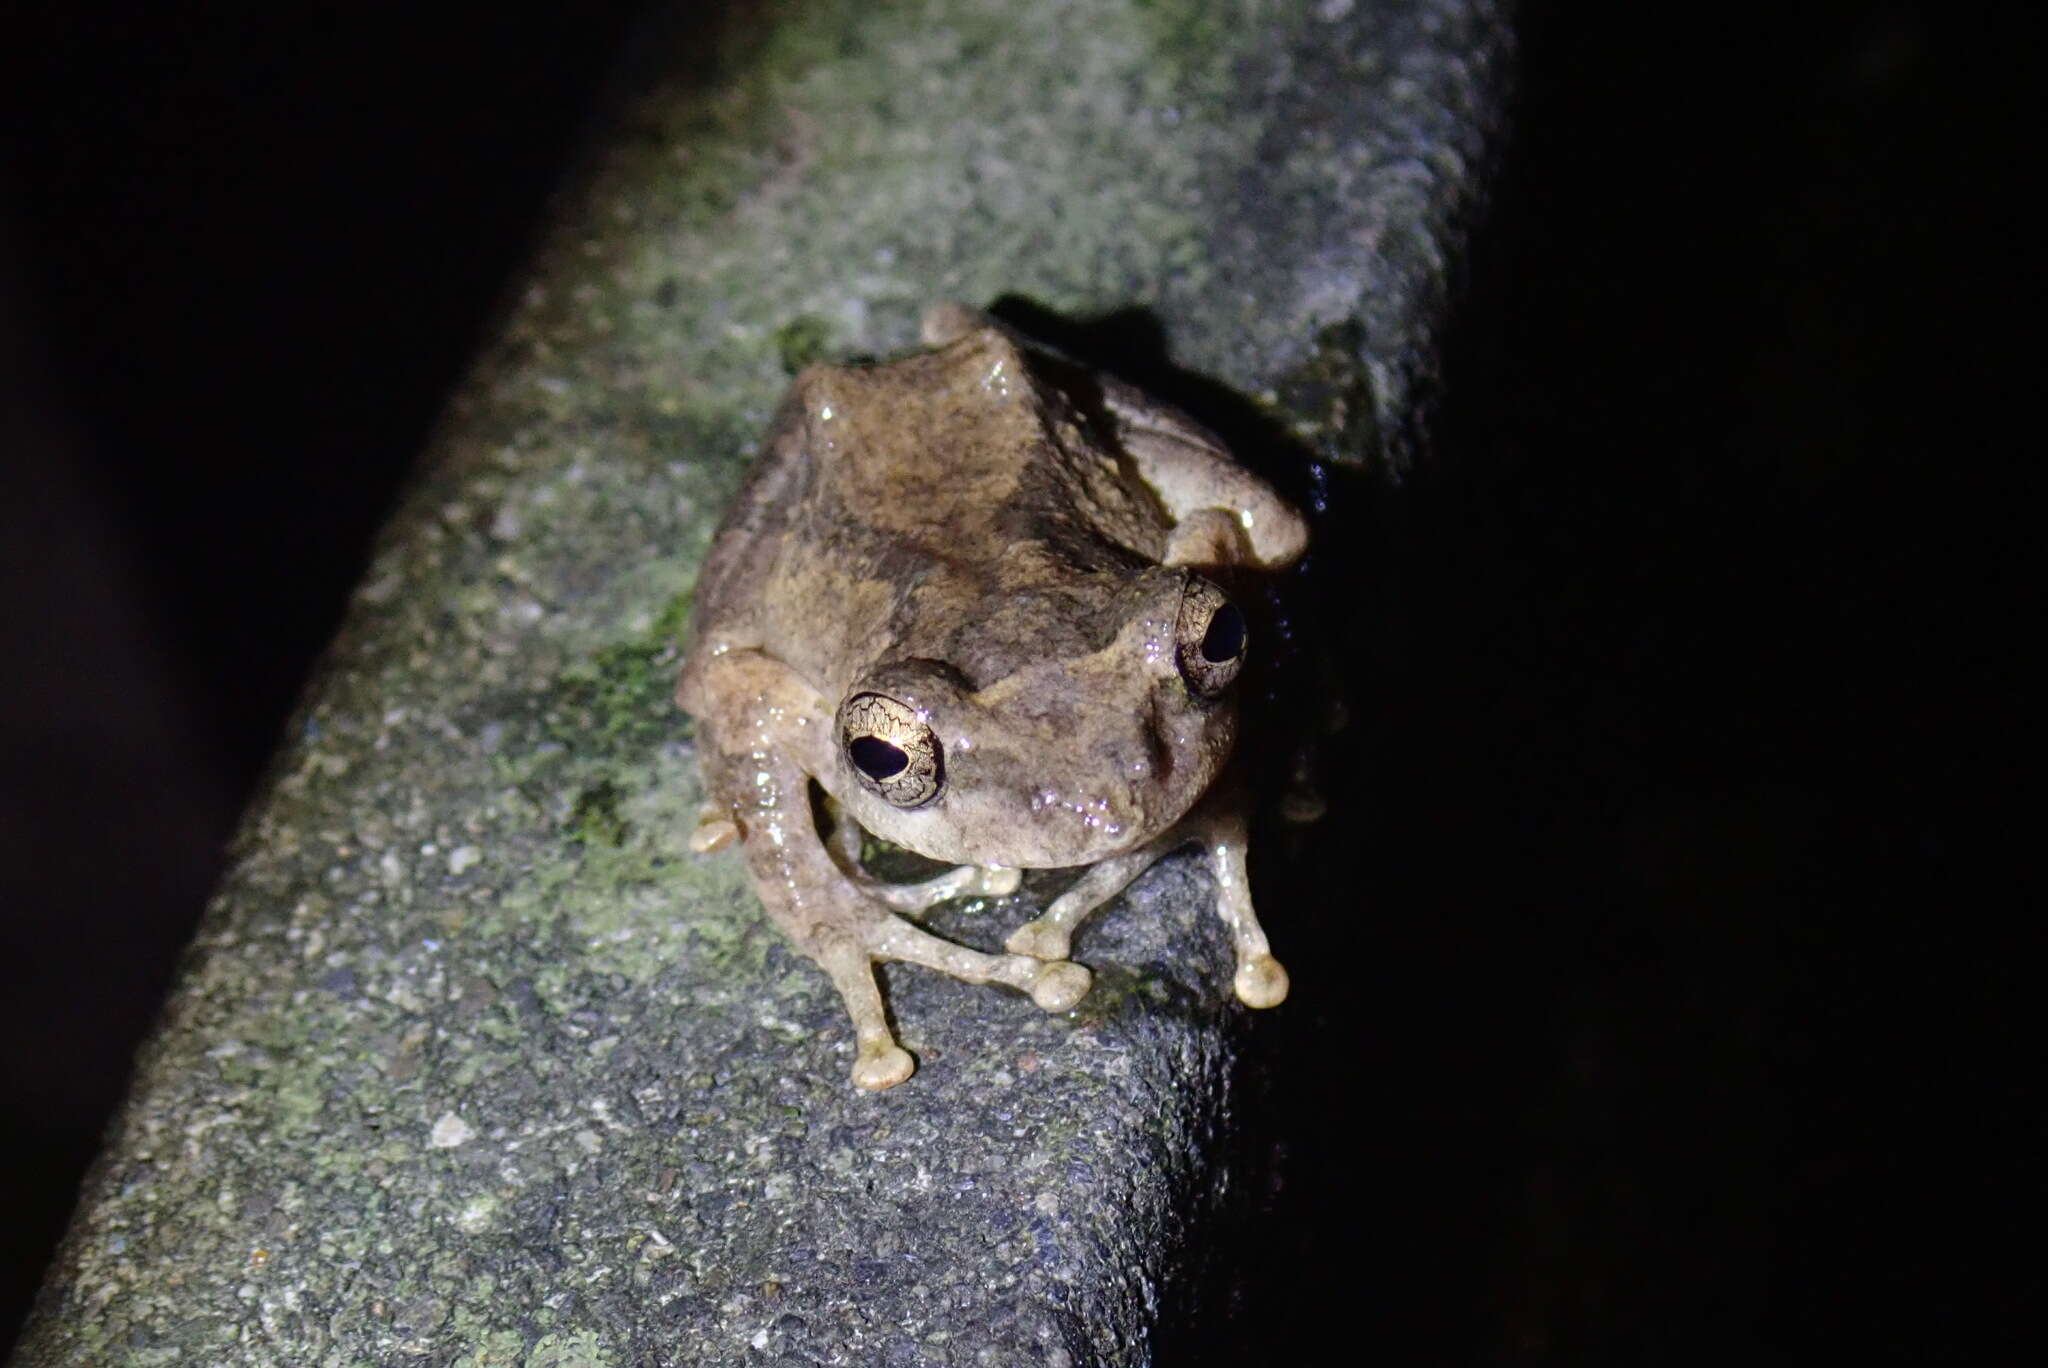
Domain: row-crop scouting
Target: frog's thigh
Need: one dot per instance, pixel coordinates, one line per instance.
(1209, 539)
(1191, 472)
(1193, 480)
(1186, 465)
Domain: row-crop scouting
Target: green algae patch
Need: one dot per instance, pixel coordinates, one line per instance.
(620, 699)
(498, 1349)
(570, 1349)
(594, 817)
(802, 341)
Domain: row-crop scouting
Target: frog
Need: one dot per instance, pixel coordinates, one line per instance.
(977, 596)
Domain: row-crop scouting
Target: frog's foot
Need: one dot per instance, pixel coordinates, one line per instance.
(1054, 985)
(1043, 939)
(1260, 982)
(1060, 985)
(1051, 936)
(1302, 805)
(883, 1065)
(878, 1061)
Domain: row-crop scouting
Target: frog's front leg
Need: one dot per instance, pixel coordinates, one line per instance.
(761, 723)
(914, 899)
(1219, 825)
(1051, 936)
(1260, 980)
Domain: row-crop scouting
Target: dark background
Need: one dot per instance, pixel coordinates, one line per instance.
(1679, 649)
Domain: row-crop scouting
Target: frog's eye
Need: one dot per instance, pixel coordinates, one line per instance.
(894, 754)
(1209, 639)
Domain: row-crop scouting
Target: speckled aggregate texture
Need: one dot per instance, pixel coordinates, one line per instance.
(472, 1063)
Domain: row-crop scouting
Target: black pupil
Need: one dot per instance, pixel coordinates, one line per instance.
(1225, 637)
(877, 759)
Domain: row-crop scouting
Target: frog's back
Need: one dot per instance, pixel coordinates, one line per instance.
(750, 539)
(895, 505)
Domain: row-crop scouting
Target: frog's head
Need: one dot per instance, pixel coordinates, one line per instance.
(1063, 759)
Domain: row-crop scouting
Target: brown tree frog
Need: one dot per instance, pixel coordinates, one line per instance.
(968, 599)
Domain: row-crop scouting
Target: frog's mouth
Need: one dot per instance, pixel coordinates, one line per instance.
(1064, 762)
(1078, 836)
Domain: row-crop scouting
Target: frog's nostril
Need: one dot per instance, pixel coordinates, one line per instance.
(1154, 749)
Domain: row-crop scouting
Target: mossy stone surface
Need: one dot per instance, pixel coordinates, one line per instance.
(472, 1062)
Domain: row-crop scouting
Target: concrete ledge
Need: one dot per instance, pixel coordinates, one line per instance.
(472, 1064)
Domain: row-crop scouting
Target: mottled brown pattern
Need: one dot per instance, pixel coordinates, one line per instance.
(944, 532)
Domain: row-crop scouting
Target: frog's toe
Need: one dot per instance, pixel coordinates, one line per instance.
(715, 830)
(1261, 982)
(1060, 985)
(880, 1066)
(1046, 940)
